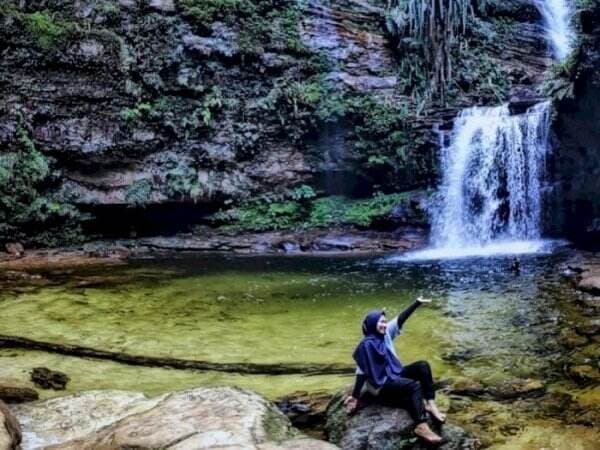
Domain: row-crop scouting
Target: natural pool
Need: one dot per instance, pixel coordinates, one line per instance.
(486, 322)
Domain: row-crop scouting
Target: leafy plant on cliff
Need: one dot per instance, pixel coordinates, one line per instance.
(268, 213)
(45, 29)
(27, 213)
(560, 85)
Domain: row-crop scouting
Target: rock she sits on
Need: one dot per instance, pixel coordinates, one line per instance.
(376, 427)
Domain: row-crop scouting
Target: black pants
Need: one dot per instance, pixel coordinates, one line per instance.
(409, 391)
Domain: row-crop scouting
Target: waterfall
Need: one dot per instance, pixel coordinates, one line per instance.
(489, 201)
(491, 185)
(557, 22)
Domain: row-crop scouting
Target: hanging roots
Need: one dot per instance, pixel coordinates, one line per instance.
(436, 27)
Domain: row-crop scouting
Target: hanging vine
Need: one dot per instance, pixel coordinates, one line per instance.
(436, 28)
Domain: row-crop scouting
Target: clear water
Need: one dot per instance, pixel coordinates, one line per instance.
(557, 15)
(308, 310)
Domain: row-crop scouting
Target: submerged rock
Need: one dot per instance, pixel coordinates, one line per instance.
(10, 430)
(505, 390)
(49, 379)
(16, 394)
(585, 373)
(202, 418)
(377, 427)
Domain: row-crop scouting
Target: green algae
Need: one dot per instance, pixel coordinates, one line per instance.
(88, 374)
(233, 317)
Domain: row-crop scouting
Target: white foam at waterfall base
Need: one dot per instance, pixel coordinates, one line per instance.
(490, 198)
(507, 248)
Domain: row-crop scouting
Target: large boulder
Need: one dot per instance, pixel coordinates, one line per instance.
(376, 427)
(200, 418)
(10, 431)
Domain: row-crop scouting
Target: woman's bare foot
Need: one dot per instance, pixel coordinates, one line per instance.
(432, 409)
(424, 432)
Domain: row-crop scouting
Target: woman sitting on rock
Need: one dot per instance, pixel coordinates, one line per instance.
(409, 387)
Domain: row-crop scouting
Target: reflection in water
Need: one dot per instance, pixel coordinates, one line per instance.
(487, 322)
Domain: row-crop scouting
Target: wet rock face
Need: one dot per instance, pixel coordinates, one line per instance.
(376, 427)
(195, 419)
(137, 104)
(143, 102)
(348, 33)
(576, 204)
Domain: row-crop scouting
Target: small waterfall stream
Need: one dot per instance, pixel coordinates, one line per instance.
(490, 197)
(557, 22)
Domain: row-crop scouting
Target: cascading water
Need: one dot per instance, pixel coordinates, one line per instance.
(557, 21)
(489, 201)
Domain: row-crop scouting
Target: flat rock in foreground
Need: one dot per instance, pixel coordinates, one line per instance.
(377, 427)
(10, 431)
(202, 418)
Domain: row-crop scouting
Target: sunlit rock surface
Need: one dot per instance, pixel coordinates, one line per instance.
(195, 419)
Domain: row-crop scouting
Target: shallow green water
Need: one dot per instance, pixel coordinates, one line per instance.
(300, 310)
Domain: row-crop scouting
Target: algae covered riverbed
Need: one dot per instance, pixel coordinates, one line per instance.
(486, 323)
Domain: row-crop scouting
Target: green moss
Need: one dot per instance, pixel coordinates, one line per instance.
(27, 212)
(277, 426)
(45, 29)
(145, 111)
(212, 102)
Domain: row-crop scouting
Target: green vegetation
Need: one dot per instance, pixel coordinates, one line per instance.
(261, 23)
(301, 209)
(27, 213)
(183, 183)
(437, 29)
(212, 102)
(46, 29)
(560, 85)
(146, 110)
(139, 193)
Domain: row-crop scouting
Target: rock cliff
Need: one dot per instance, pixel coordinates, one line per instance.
(183, 107)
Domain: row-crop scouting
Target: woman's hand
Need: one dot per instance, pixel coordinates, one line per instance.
(350, 404)
(422, 300)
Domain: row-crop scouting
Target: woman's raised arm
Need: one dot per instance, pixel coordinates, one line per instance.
(404, 315)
